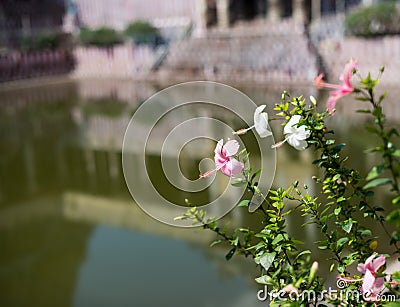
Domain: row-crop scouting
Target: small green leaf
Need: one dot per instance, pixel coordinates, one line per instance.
(266, 260)
(375, 172)
(377, 182)
(230, 254)
(340, 199)
(244, 203)
(364, 111)
(347, 225)
(277, 239)
(255, 174)
(366, 232)
(342, 241)
(338, 148)
(394, 216)
(302, 253)
(215, 243)
(336, 177)
(238, 182)
(265, 280)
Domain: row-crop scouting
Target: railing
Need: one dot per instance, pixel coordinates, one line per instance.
(16, 65)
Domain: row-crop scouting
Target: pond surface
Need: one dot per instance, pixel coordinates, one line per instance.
(70, 233)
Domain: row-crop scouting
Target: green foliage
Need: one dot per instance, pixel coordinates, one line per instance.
(101, 37)
(48, 41)
(143, 32)
(283, 263)
(379, 19)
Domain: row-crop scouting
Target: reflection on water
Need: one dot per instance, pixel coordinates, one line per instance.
(70, 233)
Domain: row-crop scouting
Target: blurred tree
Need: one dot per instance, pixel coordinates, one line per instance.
(143, 32)
(380, 19)
(102, 37)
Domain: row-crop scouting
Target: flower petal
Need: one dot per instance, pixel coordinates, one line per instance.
(294, 120)
(218, 148)
(231, 147)
(261, 122)
(297, 143)
(302, 133)
(377, 263)
(361, 268)
(331, 103)
(348, 72)
(258, 111)
(369, 260)
(261, 125)
(232, 168)
(379, 282)
(368, 282)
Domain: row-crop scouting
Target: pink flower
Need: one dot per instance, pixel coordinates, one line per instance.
(371, 284)
(341, 90)
(224, 161)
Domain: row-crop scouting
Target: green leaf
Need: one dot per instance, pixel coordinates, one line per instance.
(255, 174)
(244, 203)
(238, 182)
(230, 254)
(375, 172)
(394, 216)
(265, 280)
(266, 260)
(277, 239)
(340, 199)
(302, 253)
(366, 232)
(235, 241)
(215, 243)
(396, 153)
(338, 148)
(342, 241)
(377, 182)
(364, 111)
(396, 277)
(347, 225)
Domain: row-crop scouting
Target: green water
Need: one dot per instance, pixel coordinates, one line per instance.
(71, 235)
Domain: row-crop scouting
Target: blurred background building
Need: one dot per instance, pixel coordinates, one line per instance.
(72, 73)
(258, 41)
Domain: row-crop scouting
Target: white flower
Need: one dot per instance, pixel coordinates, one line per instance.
(295, 135)
(260, 123)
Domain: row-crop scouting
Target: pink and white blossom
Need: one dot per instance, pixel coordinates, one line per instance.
(224, 160)
(340, 90)
(295, 135)
(260, 123)
(372, 285)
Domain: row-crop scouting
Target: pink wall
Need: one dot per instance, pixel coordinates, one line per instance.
(119, 13)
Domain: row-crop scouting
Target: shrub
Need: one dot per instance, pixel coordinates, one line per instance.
(41, 42)
(143, 32)
(375, 20)
(102, 37)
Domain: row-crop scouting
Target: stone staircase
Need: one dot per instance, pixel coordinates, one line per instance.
(258, 52)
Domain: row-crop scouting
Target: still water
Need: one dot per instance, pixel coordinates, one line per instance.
(71, 235)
